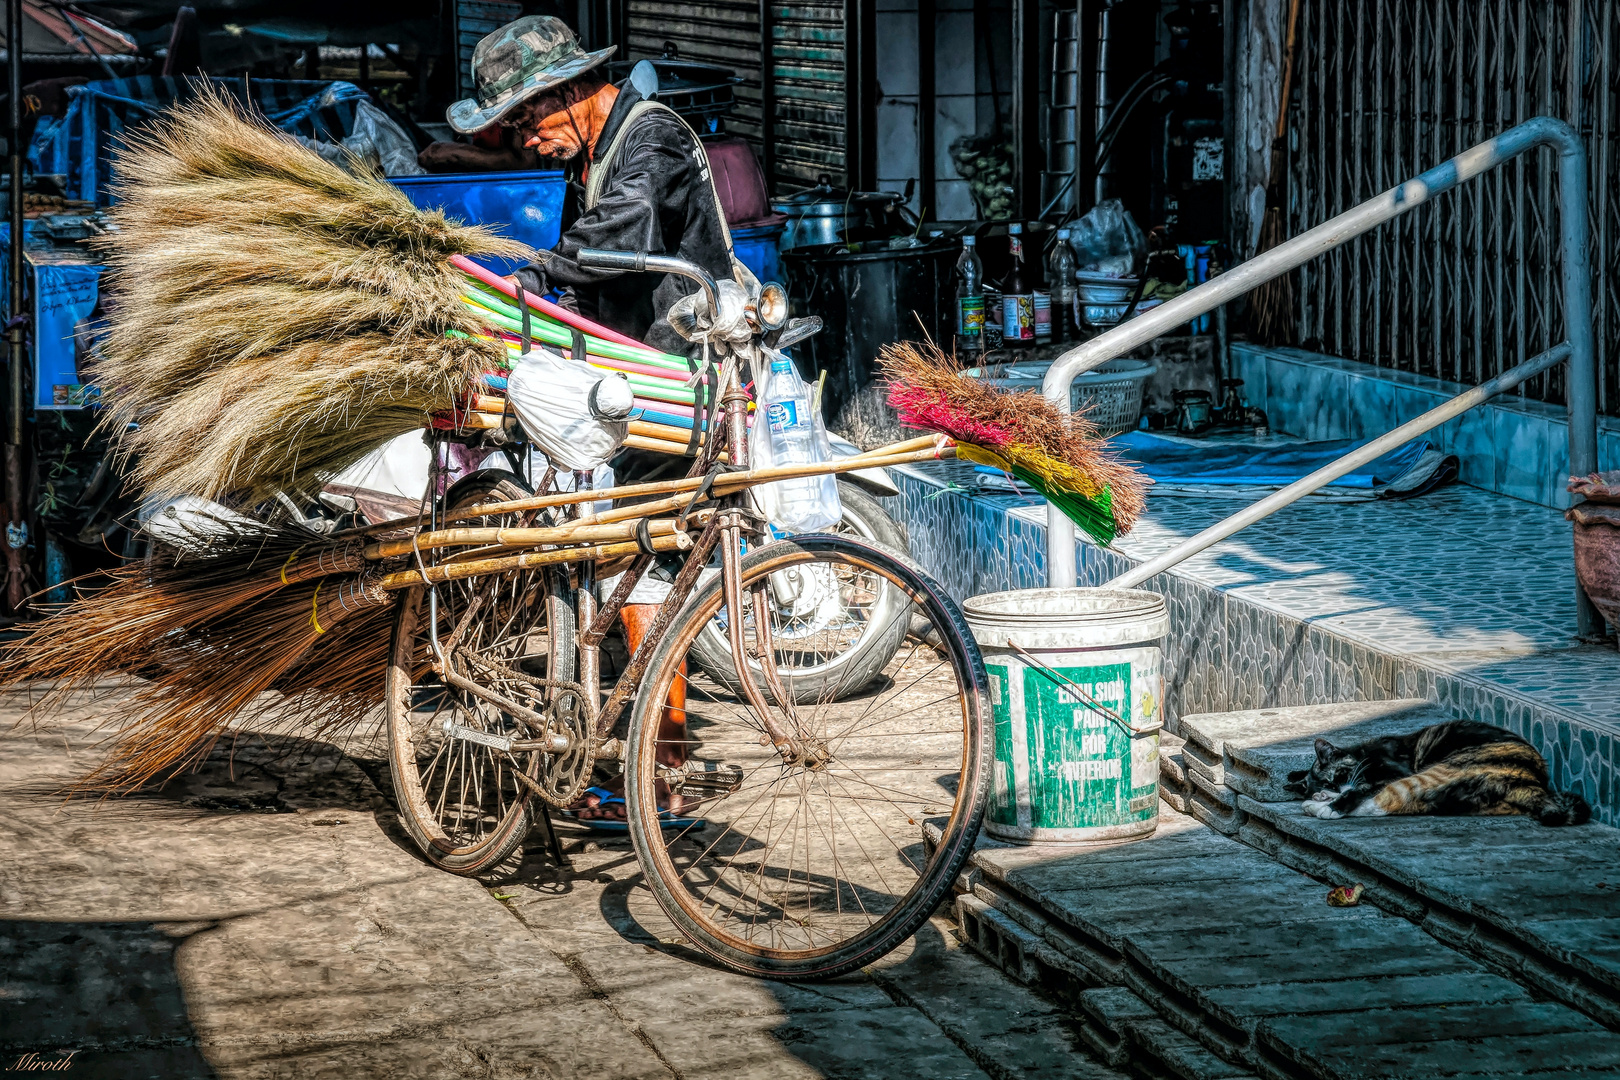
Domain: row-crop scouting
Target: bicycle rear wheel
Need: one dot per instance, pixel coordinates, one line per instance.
(451, 756)
(809, 869)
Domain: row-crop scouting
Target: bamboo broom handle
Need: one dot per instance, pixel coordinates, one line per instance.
(539, 303)
(589, 532)
(662, 446)
(906, 453)
(435, 575)
(664, 432)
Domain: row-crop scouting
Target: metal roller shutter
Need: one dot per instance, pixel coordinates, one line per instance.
(807, 129)
(808, 47)
(722, 32)
(474, 19)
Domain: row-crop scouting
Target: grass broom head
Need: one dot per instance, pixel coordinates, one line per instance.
(212, 630)
(1065, 458)
(273, 318)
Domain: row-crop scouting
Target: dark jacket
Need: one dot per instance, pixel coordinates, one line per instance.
(656, 198)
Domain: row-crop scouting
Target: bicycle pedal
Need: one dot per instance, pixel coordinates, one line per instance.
(725, 779)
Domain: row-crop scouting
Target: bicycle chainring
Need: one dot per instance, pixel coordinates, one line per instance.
(564, 777)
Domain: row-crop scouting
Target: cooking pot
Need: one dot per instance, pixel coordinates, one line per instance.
(828, 215)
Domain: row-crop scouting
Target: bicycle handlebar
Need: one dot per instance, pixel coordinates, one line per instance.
(636, 262)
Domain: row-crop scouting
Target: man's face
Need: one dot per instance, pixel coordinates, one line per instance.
(546, 125)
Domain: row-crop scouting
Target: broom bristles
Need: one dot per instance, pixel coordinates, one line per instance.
(1061, 455)
(1271, 306)
(210, 631)
(273, 318)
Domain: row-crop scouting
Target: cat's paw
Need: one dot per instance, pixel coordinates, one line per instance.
(1322, 808)
(1321, 796)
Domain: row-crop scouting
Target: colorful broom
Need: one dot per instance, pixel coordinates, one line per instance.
(1019, 432)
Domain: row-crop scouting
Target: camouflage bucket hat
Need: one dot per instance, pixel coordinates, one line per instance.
(516, 62)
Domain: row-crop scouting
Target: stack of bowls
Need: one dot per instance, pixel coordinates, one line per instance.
(1102, 300)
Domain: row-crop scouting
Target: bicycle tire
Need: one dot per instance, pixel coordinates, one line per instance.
(865, 518)
(674, 885)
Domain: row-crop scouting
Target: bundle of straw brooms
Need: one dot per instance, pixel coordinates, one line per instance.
(275, 318)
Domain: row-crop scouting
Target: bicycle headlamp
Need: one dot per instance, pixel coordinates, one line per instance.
(772, 307)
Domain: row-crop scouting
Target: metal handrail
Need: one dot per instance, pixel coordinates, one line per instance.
(1577, 350)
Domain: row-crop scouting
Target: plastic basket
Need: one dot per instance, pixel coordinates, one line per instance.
(1110, 396)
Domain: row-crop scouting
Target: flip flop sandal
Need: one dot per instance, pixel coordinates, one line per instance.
(604, 797)
(609, 825)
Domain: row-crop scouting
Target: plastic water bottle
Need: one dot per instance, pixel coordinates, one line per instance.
(1061, 265)
(809, 502)
(969, 299)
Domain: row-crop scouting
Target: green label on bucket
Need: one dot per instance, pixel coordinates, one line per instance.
(1079, 756)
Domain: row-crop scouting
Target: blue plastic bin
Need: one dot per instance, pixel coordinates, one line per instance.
(756, 249)
(526, 206)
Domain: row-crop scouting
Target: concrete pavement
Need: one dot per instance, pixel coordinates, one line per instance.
(267, 918)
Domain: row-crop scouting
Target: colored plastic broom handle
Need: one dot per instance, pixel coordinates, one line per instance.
(540, 303)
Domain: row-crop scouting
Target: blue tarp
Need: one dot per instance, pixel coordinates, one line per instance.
(1169, 461)
(64, 325)
(79, 145)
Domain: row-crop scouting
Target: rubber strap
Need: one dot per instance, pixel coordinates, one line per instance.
(523, 311)
(578, 348)
(698, 495)
(315, 608)
(644, 537)
(697, 413)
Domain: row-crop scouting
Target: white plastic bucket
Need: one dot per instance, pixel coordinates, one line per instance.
(1077, 713)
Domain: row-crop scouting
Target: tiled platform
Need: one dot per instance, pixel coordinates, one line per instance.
(1463, 597)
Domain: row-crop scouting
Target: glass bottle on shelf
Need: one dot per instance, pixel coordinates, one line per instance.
(969, 300)
(1017, 295)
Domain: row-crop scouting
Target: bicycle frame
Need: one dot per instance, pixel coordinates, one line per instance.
(724, 530)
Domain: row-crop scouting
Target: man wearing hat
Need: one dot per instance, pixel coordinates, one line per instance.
(636, 182)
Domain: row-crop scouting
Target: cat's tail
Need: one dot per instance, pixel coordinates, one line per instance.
(1562, 808)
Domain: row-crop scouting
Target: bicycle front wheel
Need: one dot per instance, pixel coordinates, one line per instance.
(810, 865)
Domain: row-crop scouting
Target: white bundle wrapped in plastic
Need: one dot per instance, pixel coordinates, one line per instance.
(577, 415)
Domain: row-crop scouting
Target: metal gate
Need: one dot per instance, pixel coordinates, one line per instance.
(1468, 287)
(804, 137)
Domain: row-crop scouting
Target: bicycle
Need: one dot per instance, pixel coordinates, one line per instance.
(795, 817)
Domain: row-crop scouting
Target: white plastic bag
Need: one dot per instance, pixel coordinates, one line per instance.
(576, 414)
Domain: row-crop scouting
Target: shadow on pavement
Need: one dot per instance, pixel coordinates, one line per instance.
(105, 994)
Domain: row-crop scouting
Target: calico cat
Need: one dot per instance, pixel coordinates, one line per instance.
(1459, 767)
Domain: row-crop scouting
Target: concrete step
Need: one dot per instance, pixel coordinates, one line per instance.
(1539, 904)
(1194, 956)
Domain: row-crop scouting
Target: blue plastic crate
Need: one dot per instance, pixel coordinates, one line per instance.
(526, 206)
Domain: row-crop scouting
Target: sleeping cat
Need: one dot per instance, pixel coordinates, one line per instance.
(1459, 767)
